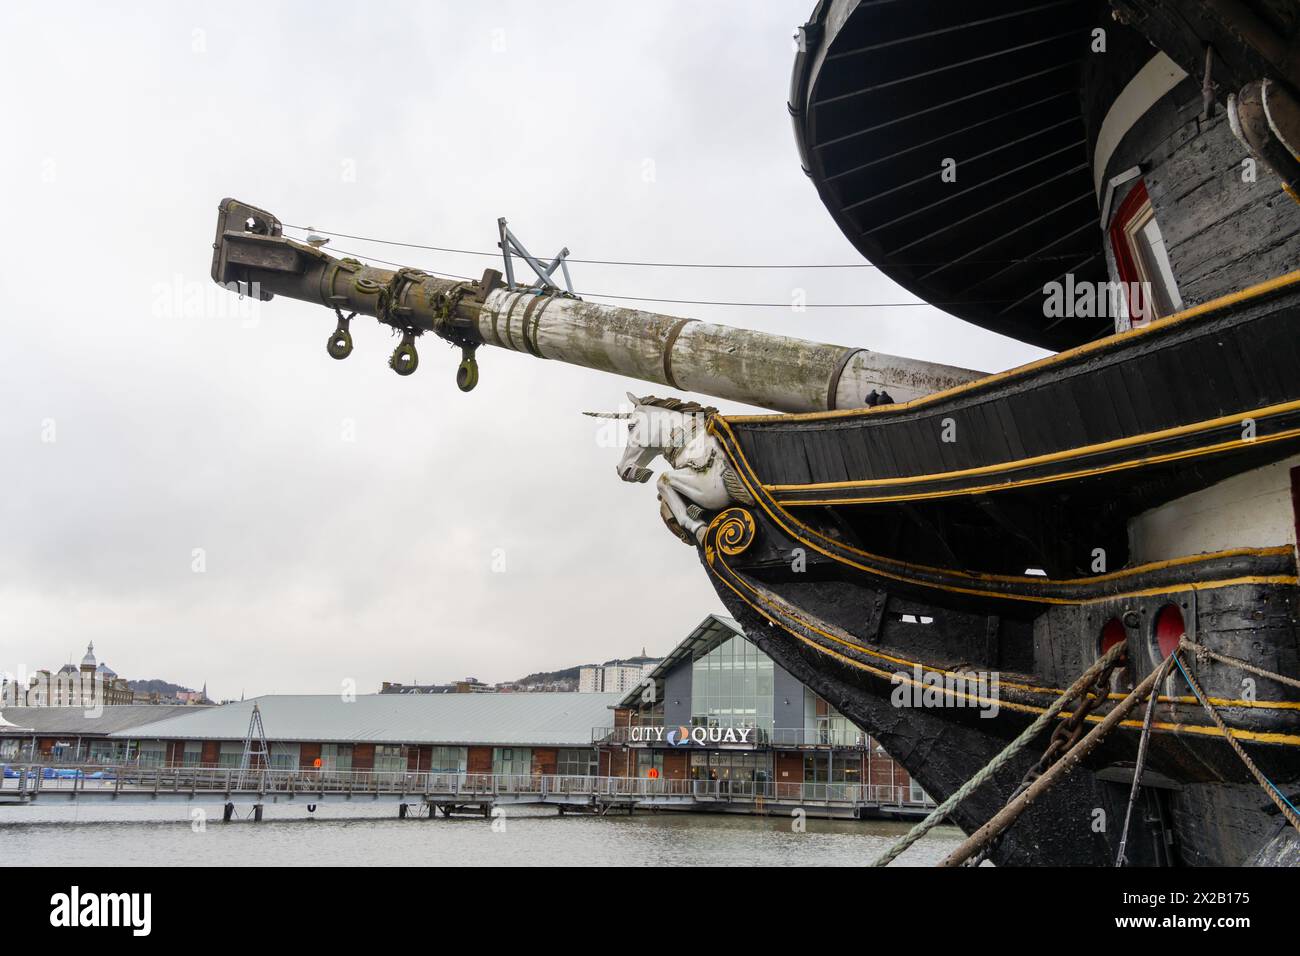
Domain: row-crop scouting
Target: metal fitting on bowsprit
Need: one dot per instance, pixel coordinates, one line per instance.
(405, 359)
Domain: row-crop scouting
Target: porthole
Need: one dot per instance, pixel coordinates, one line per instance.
(1113, 633)
(1169, 629)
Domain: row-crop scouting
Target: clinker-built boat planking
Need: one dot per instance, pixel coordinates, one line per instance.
(1062, 172)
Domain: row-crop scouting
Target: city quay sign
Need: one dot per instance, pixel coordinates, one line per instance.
(688, 736)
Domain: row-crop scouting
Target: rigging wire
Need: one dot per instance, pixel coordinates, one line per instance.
(673, 265)
(647, 298)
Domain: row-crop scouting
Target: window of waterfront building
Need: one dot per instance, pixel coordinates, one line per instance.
(390, 758)
(512, 760)
(232, 753)
(731, 686)
(336, 758)
(577, 762)
(823, 724)
(105, 751)
(731, 766)
(153, 753)
(647, 759)
(284, 756)
(652, 714)
(447, 760)
(832, 767)
(192, 755)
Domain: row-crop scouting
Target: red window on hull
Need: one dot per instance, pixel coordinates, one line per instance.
(1150, 291)
(1113, 633)
(1169, 629)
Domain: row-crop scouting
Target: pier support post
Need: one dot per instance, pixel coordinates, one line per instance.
(401, 811)
(227, 813)
(257, 813)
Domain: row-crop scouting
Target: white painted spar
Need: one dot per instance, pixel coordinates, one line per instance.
(1250, 510)
(1153, 81)
(770, 371)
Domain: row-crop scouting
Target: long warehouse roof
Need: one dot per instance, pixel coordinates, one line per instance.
(563, 720)
(80, 721)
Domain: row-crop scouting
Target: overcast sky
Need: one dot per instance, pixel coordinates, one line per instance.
(143, 415)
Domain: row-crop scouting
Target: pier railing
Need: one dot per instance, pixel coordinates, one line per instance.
(99, 780)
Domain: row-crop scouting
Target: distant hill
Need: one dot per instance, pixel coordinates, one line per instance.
(568, 675)
(161, 687)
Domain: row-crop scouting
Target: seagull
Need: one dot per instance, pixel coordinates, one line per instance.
(316, 241)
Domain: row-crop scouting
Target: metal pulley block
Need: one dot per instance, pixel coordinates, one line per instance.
(405, 359)
(467, 373)
(340, 343)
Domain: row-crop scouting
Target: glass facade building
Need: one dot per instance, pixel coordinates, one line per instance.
(728, 721)
(731, 686)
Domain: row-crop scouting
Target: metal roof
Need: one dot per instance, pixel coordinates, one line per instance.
(708, 634)
(73, 721)
(520, 720)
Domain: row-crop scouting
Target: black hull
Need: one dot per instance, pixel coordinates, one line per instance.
(1196, 809)
(846, 594)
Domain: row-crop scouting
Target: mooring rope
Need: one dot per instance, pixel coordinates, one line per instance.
(1203, 651)
(1141, 758)
(1279, 799)
(1020, 743)
(1017, 805)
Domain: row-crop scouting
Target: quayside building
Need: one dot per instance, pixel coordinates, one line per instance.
(474, 734)
(720, 712)
(716, 725)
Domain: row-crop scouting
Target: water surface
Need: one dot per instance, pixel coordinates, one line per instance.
(367, 836)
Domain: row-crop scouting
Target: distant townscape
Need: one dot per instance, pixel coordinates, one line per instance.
(616, 676)
(91, 683)
(94, 682)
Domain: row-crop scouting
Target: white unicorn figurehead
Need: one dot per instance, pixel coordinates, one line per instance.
(677, 430)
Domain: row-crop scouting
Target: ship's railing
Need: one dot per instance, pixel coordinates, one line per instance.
(30, 779)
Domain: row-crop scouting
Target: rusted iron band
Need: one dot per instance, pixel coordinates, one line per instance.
(496, 334)
(669, 342)
(523, 323)
(834, 386)
(530, 340)
(510, 313)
